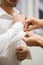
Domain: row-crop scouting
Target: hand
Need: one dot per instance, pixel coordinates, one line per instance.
(32, 39)
(19, 17)
(21, 53)
(32, 23)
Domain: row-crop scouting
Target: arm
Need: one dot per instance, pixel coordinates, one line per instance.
(17, 34)
(18, 38)
(6, 37)
(41, 22)
(40, 41)
(20, 44)
(32, 39)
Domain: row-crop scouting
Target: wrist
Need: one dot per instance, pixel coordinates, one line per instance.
(40, 41)
(41, 22)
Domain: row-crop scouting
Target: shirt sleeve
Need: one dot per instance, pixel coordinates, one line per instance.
(18, 38)
(20, 35)
(6, 37)
(12, 33)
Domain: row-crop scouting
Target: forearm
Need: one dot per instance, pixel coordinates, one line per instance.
(40, 22)
(40, 41)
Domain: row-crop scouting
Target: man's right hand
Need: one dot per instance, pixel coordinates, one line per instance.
(21, 53)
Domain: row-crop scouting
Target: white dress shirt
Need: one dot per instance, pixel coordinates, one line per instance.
(10, 36)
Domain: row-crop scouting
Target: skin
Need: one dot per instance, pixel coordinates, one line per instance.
(32, 39)
(21, 53)
(33, 23)
(12, 3)
(8, 5)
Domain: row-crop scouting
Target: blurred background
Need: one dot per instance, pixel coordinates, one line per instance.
(33, 8)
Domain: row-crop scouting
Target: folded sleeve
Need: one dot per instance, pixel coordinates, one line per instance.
(6, 38)
(20, 35)
(18, 38)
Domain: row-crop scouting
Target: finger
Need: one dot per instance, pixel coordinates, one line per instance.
(19, 49)
(23, 54)
(21, 57)
(28, 35)
(31, 28)
(25, 26)
(26, 23)
(29, 25)
(29, 22)
(25, 39)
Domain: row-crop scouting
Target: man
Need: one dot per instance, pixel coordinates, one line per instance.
(10, 37)
(30, 38)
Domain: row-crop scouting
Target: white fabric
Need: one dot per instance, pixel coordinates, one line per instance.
(10, 37)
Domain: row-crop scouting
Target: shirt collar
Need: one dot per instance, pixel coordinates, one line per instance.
(2, 12)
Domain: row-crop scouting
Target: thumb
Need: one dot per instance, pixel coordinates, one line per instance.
(19, 48)
(31, 27)
(25, 39)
